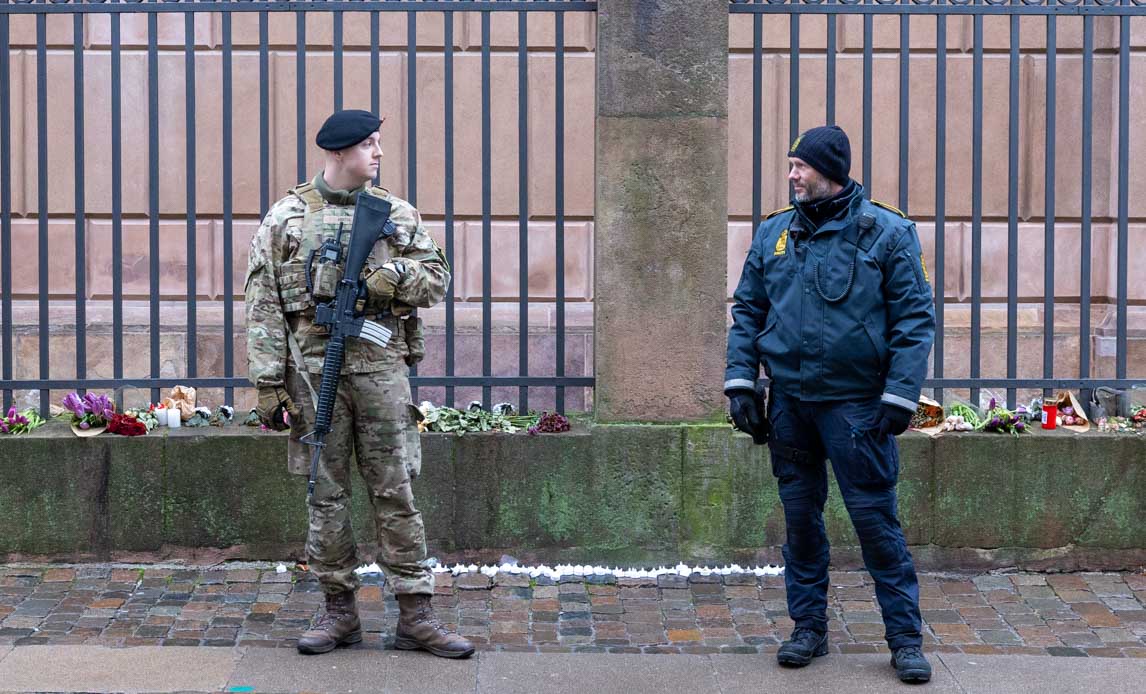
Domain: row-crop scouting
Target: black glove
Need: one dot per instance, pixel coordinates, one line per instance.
(747, 415)
(893, 420)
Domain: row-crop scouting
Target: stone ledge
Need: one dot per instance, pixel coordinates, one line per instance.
(618, 494)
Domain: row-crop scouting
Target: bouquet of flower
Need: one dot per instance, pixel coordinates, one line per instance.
(148, 417)
(20, 422)
(1001, 420)
(127, 425)
(89, 413)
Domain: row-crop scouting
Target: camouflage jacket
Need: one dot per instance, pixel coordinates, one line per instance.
(277, 298)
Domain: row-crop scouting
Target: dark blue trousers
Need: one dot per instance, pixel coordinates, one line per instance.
(866, 467)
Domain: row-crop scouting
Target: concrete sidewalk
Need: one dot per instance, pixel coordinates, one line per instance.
(191, 669)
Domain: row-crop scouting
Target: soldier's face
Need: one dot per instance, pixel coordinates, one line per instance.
(361, 161)
(808, 184)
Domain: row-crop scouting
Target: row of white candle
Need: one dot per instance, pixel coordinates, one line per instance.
(560, 570)
(169, 417)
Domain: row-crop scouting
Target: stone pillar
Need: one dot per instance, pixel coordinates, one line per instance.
(661, 209)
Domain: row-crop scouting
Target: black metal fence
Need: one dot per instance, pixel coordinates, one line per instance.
(934, 113)
(56, 181)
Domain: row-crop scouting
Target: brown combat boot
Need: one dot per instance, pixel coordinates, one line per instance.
(418, 628)
(338, 627)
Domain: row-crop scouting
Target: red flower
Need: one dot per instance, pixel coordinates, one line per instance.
(126, 426)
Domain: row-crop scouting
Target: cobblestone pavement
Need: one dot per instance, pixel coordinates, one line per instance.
(1084, 614)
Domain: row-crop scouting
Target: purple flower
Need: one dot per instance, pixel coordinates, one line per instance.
(12, 412)
(99, 405)
(84, 425)
(74, 404)
(4, 426)
(19, 419)
(1019, 426)
(992, 404)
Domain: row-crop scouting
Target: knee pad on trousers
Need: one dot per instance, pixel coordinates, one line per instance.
(881, 541)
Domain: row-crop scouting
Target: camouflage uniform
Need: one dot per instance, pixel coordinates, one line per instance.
(373, 420)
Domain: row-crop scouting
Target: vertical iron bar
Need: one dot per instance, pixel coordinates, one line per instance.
(81, 222)
(867, 88)
(42, 198)
(6, 204)
(523, 208)
(192, 290)
(1123, 191)
(1049, 200)
(904, 106)
(228, 212)
(976, 204)
(940, 188)
(559, 195)
(264, 116)
(116, 203)
(830, 116)
(1085, 254)
(412, 108)
(300, 97)
(1013, 215)
(375, 74)
(793, 77)
(153, 188)
(337, 60)
(448, 119)
(486, 265)
(757, 117)
(412, 129)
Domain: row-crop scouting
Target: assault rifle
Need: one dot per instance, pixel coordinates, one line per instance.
(340, 316)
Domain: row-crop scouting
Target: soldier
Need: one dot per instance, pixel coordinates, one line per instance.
(374, 421)
(834, 302)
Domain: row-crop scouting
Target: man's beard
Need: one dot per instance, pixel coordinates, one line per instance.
(820, 190)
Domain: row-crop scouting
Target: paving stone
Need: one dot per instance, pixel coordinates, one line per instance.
(998, 637)
(991, 582)
(1122, 604)
(942, 617)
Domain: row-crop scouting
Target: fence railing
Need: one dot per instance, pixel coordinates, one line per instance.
(196, 207)
(1003, 134)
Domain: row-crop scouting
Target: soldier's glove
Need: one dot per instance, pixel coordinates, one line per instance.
(893, 420)
(273, 402)
(381, 284)
(747, 415)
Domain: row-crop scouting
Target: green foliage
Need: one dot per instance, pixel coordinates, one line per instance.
(472, 419)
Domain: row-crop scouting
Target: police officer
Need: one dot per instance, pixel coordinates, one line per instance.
(374, 421)
(834, 301)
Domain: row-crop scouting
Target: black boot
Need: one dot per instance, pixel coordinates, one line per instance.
(804, 645)
(910, 664)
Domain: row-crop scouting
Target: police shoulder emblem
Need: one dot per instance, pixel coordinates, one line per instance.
(773, 213)
(889, 208)
(781, 244)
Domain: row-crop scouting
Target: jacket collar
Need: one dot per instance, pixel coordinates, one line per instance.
(832, 213)
(335, 197)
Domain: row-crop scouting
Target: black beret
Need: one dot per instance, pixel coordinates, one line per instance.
(346, 128)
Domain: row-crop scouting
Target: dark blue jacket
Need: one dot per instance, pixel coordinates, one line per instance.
(840, 313)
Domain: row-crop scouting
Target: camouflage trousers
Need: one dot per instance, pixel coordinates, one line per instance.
(373, 424)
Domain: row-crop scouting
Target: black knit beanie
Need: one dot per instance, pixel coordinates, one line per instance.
(827, 150)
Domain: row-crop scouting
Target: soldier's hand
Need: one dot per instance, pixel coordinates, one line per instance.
(746, 415)
(274, 401)
(381, 284)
